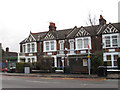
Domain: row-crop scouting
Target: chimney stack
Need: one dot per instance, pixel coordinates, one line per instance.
(52, 26)
(7, 49)
(102, 21)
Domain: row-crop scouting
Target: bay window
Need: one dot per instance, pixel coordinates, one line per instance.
(110, 40)
(82, 43)
(49, 45)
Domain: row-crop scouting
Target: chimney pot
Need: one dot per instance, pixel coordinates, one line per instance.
(102, 21)
(7, 49)
(52, 26)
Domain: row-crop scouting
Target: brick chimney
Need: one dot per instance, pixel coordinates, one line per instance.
(7, 49)
(102, 21)
(52, 26)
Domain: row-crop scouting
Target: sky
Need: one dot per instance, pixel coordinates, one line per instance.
(19, 17)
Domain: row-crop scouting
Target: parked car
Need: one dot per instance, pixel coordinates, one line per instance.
(12, 69)
(4, 70)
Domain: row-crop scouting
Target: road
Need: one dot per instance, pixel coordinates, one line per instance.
(45, 82)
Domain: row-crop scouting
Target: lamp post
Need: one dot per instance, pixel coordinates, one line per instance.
(89, 64)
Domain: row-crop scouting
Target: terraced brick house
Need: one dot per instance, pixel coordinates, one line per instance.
(62, 44)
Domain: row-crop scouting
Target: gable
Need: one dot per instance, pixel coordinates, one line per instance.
(30, 38)
(110, 29)
(82, 32)
(49, 36)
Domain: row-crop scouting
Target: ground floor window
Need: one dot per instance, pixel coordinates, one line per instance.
(111, 59)
(85, 62)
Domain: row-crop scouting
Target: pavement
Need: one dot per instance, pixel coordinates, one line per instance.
(61, 75)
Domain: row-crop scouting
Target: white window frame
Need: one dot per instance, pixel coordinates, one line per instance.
(111, 42)
(44, 46)
(112, 57)
(76, 43)
(35, 47)
(23, 48)
(61, 44)
(71, 41)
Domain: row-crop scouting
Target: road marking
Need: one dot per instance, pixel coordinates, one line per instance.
(41, 81)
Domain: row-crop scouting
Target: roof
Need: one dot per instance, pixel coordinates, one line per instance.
(71, 33)
(92, 30)
(102, 28)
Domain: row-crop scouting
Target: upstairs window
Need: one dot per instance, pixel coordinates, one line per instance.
(47, 46)
(86, 43)
(28, 47)
(52, 45)
(110, 40)
(80, 43)
(107, 41)
(33, 47)
(24, 48)
(114, 41)
(61, 45)
(83, 42)
(71, 45)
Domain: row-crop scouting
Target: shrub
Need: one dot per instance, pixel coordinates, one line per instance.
(20, 66)
(96, 61)
(46, 63)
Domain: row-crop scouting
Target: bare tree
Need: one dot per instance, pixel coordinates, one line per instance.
(91, 20)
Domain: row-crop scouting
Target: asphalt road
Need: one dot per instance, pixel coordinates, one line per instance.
(45, 82)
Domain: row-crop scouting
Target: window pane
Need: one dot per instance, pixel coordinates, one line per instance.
(79, 43)
(72, 45)
(33, 47)
(52, 45)
(24, 48)
(114, 41)
(115, 63)
(108, 57)
(107, 41)
(115, 57)
(109, 63)
(86, 43)
(84, 62)
(47, 45)
(28, 46)
(61, 45)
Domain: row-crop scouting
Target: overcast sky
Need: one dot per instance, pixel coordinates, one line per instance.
(19, 17)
